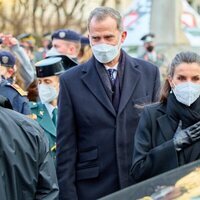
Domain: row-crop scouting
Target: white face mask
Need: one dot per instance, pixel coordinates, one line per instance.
(47, 93)
(187, 93)
(105, 53)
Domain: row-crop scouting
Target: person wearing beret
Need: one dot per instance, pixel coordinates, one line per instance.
(85, 52)
(45, 110)
(7, 63)
(24, 67)
(66, 42)
(27, 169)
(99, 104)
(13, 92)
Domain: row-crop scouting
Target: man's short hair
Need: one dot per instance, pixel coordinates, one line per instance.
(100, 13)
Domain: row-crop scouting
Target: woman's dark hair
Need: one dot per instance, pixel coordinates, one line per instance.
(182, 57)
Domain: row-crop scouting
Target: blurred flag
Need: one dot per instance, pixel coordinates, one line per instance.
(191, 24)
(137, 19)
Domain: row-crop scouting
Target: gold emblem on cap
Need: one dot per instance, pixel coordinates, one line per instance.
(62, 34)
(5, 59)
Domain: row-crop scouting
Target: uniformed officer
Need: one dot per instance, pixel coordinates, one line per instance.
(28, 41)
(27, 170)
(46, 44)
(13, 92)
(66, 42)
(8, 68)
(48, 71)
(152, 55)
(85, 52)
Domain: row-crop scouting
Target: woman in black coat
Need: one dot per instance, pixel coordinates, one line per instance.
(168, 134)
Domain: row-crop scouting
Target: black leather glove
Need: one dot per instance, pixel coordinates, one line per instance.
(185, 137)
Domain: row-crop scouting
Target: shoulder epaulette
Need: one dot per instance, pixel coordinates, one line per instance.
(19, 89)
(32, 116)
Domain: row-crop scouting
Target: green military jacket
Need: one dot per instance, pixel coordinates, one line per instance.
(45, 121)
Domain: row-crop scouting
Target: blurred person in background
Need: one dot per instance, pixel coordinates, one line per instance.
(23, 66)
(168, 134)
(7, 66)
(27, 170)
(151, 55)
(16, 95)
(25, 71)
(46, 44)
(85, 52)
(27, 41)
(66, 42)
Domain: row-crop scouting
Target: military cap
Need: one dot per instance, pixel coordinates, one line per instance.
(85, 40)
(26, 37)
(148, 37)
(66, 34)
(47, 36)
(49, 67)
(67, 62)
(7, 59)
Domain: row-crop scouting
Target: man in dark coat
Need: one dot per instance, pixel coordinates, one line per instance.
(98, 112)
(27, 169)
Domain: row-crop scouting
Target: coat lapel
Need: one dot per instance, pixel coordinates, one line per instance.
(130, 80)
(167, 125)
(46, 122)
(92, 80)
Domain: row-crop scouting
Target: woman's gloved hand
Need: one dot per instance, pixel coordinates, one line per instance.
(185, 137)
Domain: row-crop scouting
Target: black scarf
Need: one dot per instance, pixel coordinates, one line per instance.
(189, 115)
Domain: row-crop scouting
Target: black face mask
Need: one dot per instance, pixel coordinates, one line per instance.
(150, 48)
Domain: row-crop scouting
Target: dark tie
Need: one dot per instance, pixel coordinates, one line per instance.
(54, 117)
(115, 88)
(111, 75)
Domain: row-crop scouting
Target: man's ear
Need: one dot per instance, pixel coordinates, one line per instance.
(123, 36)
(11, 71)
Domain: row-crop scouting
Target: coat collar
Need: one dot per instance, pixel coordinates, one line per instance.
(93, 82)
(167, 125)
(131, 77)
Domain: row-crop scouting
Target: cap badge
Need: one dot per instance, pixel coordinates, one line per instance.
(62, 34)
(5, 59)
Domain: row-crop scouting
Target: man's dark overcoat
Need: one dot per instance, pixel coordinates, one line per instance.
(94, 143)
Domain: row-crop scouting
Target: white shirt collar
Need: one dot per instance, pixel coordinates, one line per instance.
(113, 67)
(50, 108)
